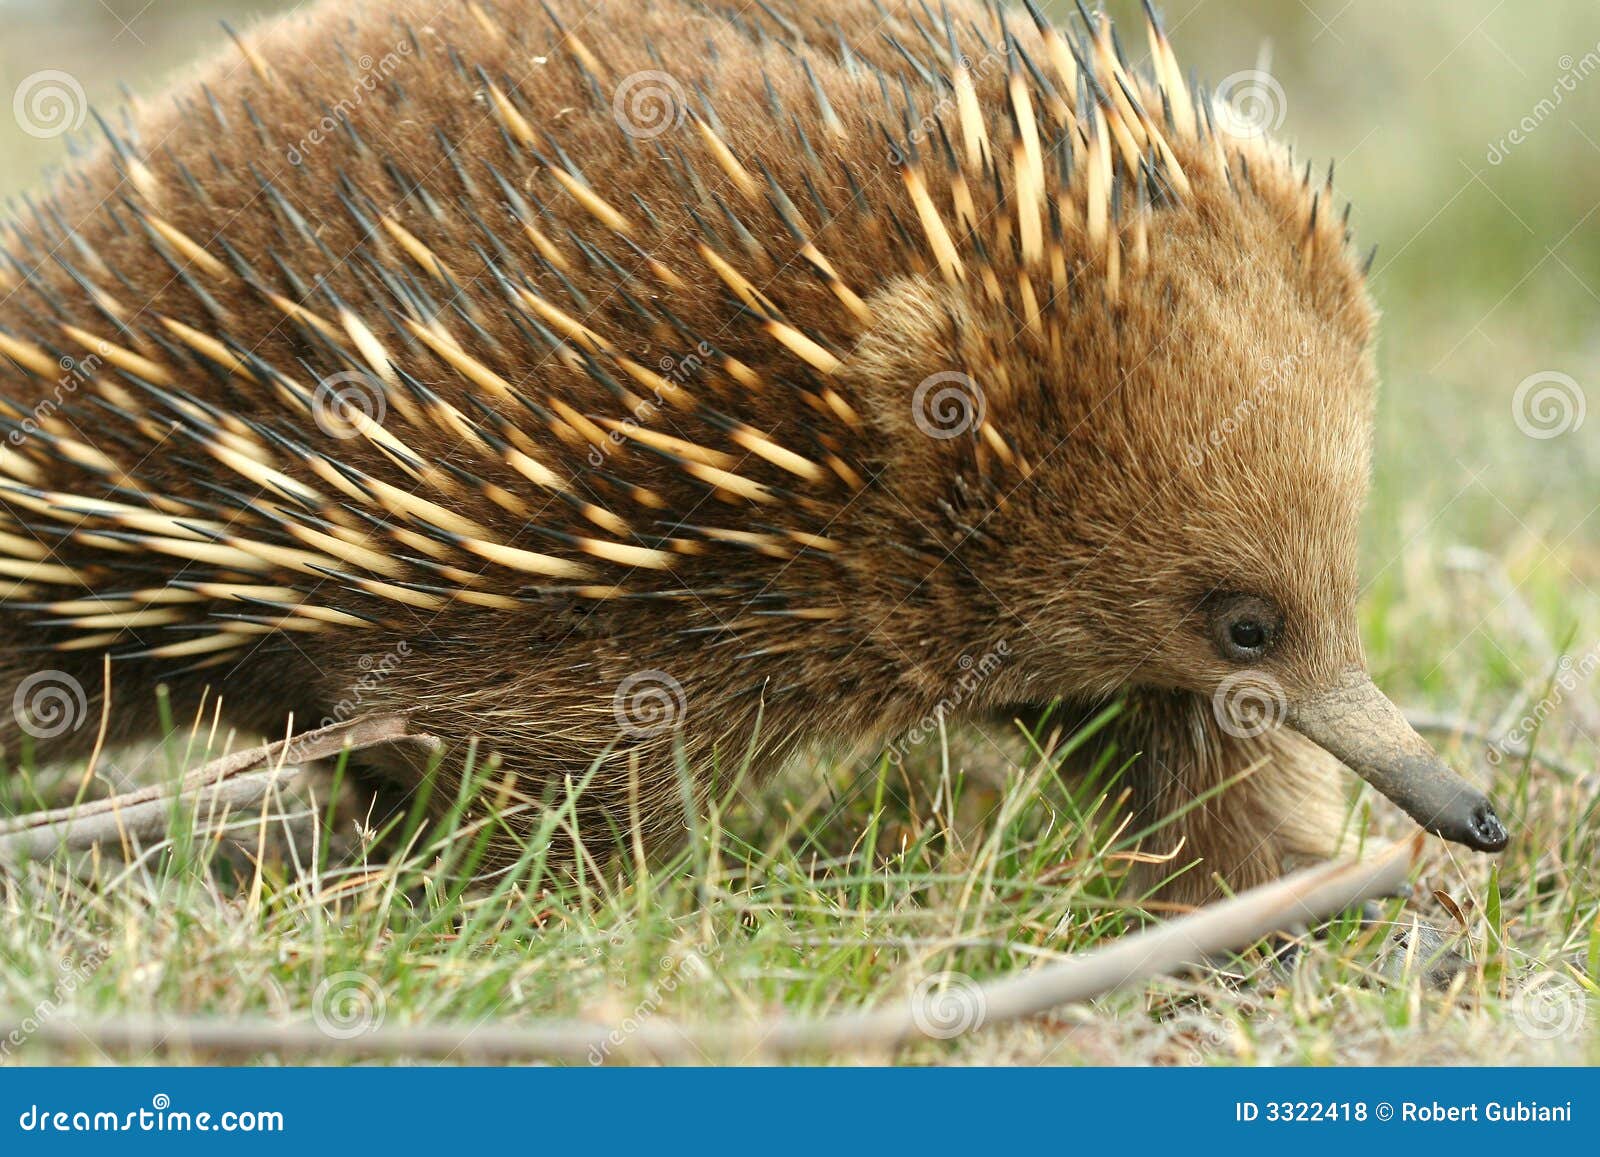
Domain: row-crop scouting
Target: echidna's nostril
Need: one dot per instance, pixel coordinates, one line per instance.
(1491, 834)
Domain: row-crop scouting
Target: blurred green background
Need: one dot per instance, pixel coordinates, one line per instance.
(1488, 268)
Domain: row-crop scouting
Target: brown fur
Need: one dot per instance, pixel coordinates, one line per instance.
(1087, 528)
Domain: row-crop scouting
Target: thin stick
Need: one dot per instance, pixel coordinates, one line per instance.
(241, 779)
(1306, 897)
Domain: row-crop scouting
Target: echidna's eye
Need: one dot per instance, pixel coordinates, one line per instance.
(1244, 627)
(1247, 634)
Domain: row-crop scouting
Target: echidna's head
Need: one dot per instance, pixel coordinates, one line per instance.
(1192, 462)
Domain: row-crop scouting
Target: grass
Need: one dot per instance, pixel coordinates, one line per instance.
(845, 884)
(849, 881)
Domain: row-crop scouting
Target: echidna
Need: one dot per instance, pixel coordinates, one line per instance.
(696, 380)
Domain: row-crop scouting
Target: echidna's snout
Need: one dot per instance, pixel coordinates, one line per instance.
(1355, 722)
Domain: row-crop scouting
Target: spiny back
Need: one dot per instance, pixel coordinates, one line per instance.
(401, 316)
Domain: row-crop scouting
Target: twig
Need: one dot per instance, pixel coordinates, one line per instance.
(239, 780)
(1305, 897)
